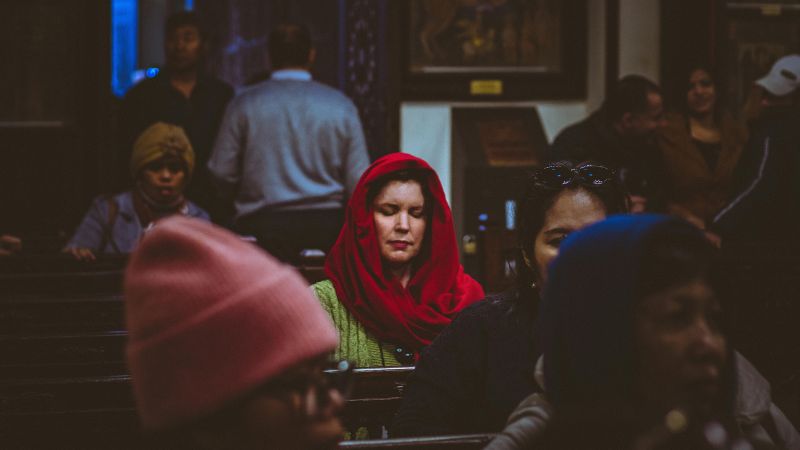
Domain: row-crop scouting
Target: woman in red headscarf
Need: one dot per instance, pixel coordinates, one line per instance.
(394, 276)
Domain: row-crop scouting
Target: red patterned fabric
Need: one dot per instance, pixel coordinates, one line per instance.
(438, 288)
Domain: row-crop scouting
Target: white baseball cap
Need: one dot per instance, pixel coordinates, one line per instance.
(784, 77)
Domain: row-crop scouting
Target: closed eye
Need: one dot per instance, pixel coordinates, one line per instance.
(388, 210)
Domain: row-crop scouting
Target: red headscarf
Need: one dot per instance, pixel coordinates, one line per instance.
(438, 289)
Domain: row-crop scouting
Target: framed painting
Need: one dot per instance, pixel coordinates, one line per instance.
(490, 49)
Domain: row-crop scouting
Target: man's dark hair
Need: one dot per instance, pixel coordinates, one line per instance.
(629, 95)
(182, 19)
(289, 45)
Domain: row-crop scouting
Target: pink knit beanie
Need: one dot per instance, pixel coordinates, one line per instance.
(211, 317)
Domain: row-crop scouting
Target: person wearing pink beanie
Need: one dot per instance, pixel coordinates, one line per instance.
(226, 344)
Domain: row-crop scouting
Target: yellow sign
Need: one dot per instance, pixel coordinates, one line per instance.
(486, 87)
(771, 10)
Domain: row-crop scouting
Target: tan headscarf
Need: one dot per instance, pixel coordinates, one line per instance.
(159, 140)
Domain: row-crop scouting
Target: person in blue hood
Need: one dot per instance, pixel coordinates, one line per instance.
(480, 367)
(634, 349)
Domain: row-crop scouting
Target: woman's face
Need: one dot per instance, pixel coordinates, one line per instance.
(163, 180)
(399, 213)
(572, 210)
(681, 348)
(303, 414)
(702, 93)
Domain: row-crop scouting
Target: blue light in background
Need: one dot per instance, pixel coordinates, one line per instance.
(151, 72)
(188, 5)
(124, 38)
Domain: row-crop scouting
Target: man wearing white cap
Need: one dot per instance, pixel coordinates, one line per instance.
(783, 78)
(766, 206)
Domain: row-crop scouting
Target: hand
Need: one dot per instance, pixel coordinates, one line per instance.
(81, 254)
(9, 245)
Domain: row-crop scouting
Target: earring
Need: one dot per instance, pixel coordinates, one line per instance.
(533, 285)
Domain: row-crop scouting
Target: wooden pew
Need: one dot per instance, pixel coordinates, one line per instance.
(376, 397)
(60, 276)
(86, 411)
(62, 355)
(458, 442)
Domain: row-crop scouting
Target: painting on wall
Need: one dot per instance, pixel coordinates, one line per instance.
(485, 35)
(492, 49)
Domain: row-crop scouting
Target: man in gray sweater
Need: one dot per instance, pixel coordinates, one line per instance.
(289, 152)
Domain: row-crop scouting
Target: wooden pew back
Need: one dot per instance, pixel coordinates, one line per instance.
(458, 442)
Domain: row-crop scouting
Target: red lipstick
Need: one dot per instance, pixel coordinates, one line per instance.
(399, 245)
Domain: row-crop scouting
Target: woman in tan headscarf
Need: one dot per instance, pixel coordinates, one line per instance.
(161, 166)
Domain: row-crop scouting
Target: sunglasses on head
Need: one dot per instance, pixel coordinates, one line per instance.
(558, 176)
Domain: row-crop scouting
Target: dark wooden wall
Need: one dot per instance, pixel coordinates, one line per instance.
(688, 36)
(54, 102)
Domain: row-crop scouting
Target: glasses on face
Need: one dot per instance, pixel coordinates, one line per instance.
(558, 176)
(314, 389)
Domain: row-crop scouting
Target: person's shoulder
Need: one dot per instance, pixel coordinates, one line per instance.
(485, 311)
(146, 86)
(103, 204)
(583, 140)
(328, 93)
(118, 197)
(197, 212)
(324, 288)
(578, 132)
(217, 83)
(326, 294)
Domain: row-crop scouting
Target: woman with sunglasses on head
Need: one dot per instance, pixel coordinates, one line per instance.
(701, 146)
(481, 366)
(161, 166)
(394, 276)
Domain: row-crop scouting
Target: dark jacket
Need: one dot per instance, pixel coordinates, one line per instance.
(474, 373)
(767, 183)
(155, 100)
(637, 160)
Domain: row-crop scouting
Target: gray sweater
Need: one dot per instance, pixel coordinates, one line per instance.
(288, 145)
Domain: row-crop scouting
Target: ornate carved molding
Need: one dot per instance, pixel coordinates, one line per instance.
(364, 81)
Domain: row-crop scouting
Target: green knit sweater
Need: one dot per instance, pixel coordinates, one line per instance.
(355, 343)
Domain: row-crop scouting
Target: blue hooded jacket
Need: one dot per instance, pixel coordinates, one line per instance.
(588, 304)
